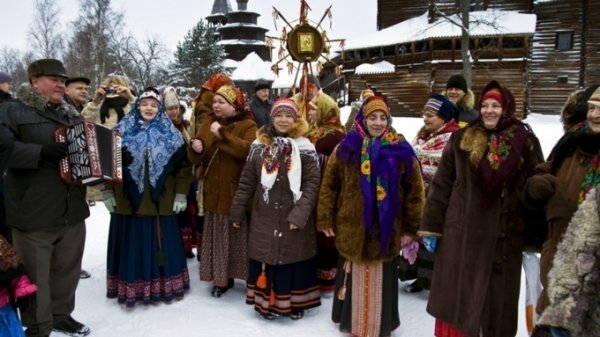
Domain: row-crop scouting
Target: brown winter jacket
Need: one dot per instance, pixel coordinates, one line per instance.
(222, 160)
(340, 208)
(477, 274)
(270, 240)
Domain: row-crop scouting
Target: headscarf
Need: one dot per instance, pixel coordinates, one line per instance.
(377, 159)
(327, 121)
(155, 142)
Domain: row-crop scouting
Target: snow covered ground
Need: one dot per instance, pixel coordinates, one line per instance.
(199, 314)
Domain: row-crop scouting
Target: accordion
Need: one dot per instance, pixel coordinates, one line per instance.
(93, 156)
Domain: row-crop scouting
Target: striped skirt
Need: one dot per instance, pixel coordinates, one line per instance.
(289, 287)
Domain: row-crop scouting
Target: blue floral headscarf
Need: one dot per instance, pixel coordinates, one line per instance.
(155, 141)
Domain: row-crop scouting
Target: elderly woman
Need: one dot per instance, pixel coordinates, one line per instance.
(371, 200)
(145, 253)
(561, 185)
(281, 179)
(220, 148)
(440, 119)
(473, 209)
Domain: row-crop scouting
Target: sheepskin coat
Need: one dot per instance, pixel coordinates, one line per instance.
(270, 240)
(574, 280)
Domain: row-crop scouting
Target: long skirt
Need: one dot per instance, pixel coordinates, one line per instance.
(224, 250)
(146, 262)
(327, 257)
(443, 329)
(421, 270)
(289, 287)
(365, 301)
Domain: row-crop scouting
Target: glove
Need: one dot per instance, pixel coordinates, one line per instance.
(54, 151)
(126, 157)
(110, 203)
(410, 251)
(430, 243)
(180, 203)
(541, 186)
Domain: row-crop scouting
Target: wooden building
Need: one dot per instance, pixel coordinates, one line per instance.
(523, 47)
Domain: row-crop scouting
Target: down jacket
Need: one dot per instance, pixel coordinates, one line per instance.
(270, 239)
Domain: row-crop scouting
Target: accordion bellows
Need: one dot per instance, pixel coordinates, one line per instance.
(94, 154)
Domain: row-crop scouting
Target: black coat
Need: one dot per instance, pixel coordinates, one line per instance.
(261, 111)
(36, 197)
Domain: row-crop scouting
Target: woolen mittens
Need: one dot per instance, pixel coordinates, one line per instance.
(541, 186)
(54, 151)
(110, 203)
(180, 203)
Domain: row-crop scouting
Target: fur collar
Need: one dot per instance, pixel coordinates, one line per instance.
(265, 136)
(475, 143)
(467, 102)
(34, 99)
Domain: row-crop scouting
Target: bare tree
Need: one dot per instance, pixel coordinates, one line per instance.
(44, 31)
(15, 63)
(146, 60)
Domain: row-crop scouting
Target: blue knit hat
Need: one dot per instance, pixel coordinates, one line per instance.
(443, 107)
(4, 77)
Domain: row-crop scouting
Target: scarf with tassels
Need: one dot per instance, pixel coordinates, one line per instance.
(283, 150)
(378, 160)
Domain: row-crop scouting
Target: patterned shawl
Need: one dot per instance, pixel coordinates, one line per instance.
(155, 142)
(378, 159)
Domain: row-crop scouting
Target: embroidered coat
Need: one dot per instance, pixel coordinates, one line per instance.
(573, 285)
(478, 259)
(228, 156)
(341, 208)
(270, 239)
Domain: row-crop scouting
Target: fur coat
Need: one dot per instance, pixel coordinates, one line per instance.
(574, 280)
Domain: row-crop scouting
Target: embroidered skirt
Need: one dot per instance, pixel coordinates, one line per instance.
(365, 301)
(223, 254)
(289, 287)
(146, 262)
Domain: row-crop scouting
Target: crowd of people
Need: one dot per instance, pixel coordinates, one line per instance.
(284, 196)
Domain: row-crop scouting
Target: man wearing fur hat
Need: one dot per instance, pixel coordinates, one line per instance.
(260, 104)
(6, 86)
(459, 93)
(45, 214)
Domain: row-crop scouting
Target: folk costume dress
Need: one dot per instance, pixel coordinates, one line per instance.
(371, 194)
(326, 133)
(473, 207)
(146, 261)
(281, 182)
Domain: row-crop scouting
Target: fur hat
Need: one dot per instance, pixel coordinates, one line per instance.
(150, 92)
(366, 94)
(4, 77)
(170, 97)
(46, 67)
(285, 105)
(495, 94)
(442, 106)
(375, 103)
(262, 84)
(215, 81)
(78, 79)
(595, 98)
(457, 81)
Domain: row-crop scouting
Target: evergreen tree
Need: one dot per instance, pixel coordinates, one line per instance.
(197, 56)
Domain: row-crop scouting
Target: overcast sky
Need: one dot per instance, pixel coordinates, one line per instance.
(170, 20)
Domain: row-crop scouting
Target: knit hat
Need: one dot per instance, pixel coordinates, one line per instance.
(457, 81)
(495, 94)
(46, 67)
(366, 93)
(375, 103)
(595, 98)
(262, 84)
(150, 92)
(78, 79)
(4, 77)
(285, 105)
(442, 106)
(215, 81)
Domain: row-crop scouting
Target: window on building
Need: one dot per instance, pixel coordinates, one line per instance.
(564, 40)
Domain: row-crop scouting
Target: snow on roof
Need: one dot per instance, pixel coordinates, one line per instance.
(245, 42)
(229, 63)
(252, 68)
(382, 67)
(483, 23)
(245, 25)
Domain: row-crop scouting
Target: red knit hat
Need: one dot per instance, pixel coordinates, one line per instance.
(285, 105)
(495, 94)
